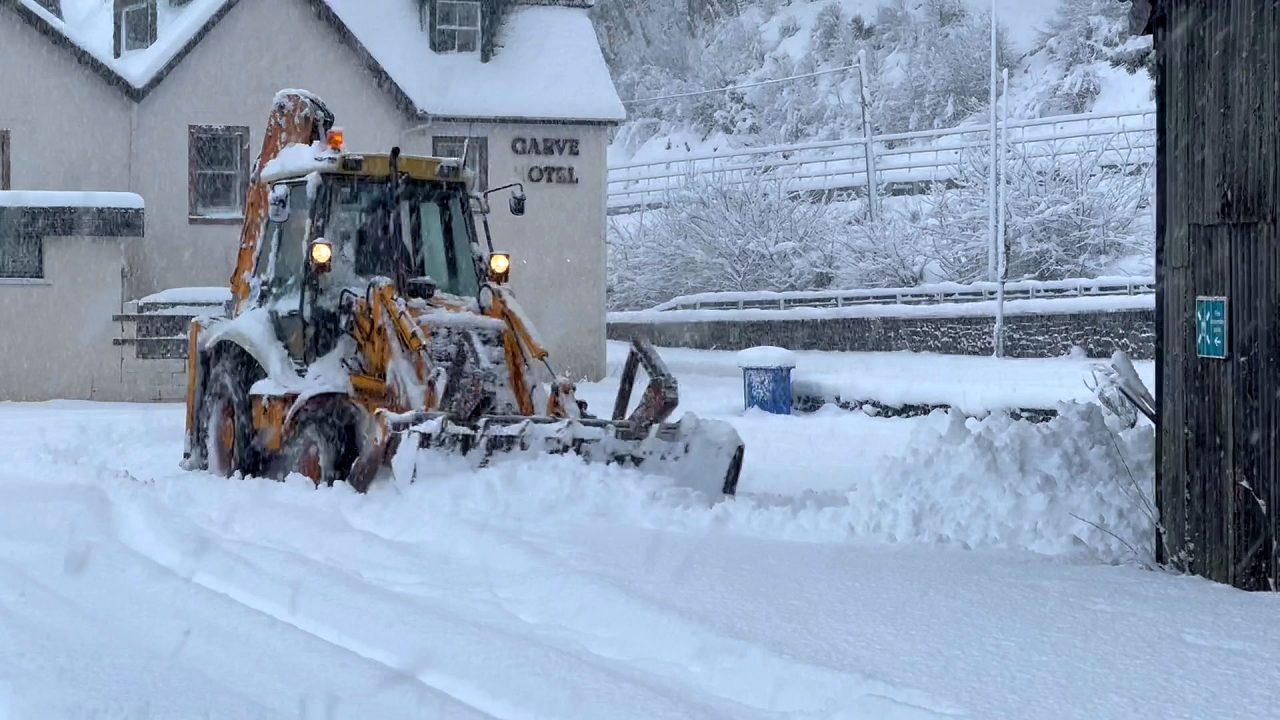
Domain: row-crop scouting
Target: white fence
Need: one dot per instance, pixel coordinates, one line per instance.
(938, 293)
(1118, 140)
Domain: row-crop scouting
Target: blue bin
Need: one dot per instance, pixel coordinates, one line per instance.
(766, 379)
(767, 388)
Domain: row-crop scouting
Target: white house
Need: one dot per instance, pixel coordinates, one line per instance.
(166, 99)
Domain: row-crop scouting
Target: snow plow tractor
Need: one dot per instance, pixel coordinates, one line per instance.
(368, 325)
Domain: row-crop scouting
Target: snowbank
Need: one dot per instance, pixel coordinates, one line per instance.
(992, 483)
(975, 385)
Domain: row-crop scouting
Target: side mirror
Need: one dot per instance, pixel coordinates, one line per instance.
(278, 204)
(420, 288)
(516, 204)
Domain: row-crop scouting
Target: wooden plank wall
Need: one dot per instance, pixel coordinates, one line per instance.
(1218, 487)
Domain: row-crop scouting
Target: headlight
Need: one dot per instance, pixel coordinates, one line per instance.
(499, 267)
(321, 254)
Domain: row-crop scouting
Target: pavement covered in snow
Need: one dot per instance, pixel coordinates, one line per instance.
(871, 568)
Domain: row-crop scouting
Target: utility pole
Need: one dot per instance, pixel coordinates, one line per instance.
(868, 148)
(991, 180)
(1002, 249)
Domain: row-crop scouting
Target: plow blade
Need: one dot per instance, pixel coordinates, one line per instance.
(704, 455)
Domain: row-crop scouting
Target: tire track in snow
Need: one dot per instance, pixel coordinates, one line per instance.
(217, 568)
(613, 625)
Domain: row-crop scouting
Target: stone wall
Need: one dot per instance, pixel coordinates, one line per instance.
(1040, 335)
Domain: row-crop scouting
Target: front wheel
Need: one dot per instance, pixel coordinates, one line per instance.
(320, 448)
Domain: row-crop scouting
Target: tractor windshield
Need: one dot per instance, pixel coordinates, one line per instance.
(436, 233)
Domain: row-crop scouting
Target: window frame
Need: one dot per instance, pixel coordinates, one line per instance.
(197, 215)
(6, 167)
(447, 34)
(5, 276)
(133, 7)
(476, 147)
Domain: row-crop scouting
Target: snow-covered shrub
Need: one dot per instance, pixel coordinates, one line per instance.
(1068, 215)
(890, 252)
(744, 233)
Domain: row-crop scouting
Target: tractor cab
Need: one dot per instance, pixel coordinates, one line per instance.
(344, 224)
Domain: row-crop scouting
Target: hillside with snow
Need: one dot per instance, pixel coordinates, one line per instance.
(928, 66)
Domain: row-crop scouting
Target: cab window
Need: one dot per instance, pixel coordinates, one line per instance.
(288, 243)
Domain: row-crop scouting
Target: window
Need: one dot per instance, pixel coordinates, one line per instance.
(457, 26)
(477, 155)
(6, 181)
(135, 25)
(218, 172)
(21, 253)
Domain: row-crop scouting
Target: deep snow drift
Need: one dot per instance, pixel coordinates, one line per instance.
(546, 589)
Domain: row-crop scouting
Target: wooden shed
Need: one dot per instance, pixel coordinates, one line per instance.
(1218, 285)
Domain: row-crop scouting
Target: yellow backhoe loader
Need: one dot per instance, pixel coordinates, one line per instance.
(368, 325)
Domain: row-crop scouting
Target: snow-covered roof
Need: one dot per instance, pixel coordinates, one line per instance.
(546, 64)
(89, 26)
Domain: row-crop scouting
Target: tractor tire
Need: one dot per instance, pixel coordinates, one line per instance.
(321, 447)
(228, 418)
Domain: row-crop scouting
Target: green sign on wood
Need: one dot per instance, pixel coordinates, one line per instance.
(1211, 327)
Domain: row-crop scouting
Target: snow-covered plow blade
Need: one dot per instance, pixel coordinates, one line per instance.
(704, 455)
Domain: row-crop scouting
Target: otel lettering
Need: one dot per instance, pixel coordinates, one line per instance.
(560, 174)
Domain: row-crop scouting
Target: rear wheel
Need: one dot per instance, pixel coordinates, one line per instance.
(228, 420)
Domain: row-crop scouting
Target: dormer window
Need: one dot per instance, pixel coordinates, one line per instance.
(135, 22)
(457, 27)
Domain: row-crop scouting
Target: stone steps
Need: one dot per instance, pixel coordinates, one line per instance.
(158, 331)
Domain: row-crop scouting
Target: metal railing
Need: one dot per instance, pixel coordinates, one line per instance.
(934, 294)
(1120, 140)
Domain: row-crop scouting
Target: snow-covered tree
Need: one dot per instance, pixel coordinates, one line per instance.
(1084, 37)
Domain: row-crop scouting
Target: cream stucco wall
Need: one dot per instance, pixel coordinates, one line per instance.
(55, 334)
(69, 129)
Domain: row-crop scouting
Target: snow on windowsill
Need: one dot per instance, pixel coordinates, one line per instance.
(60, 199)
(25, 282)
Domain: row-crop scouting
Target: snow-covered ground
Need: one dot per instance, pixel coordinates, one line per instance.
(871, 568)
